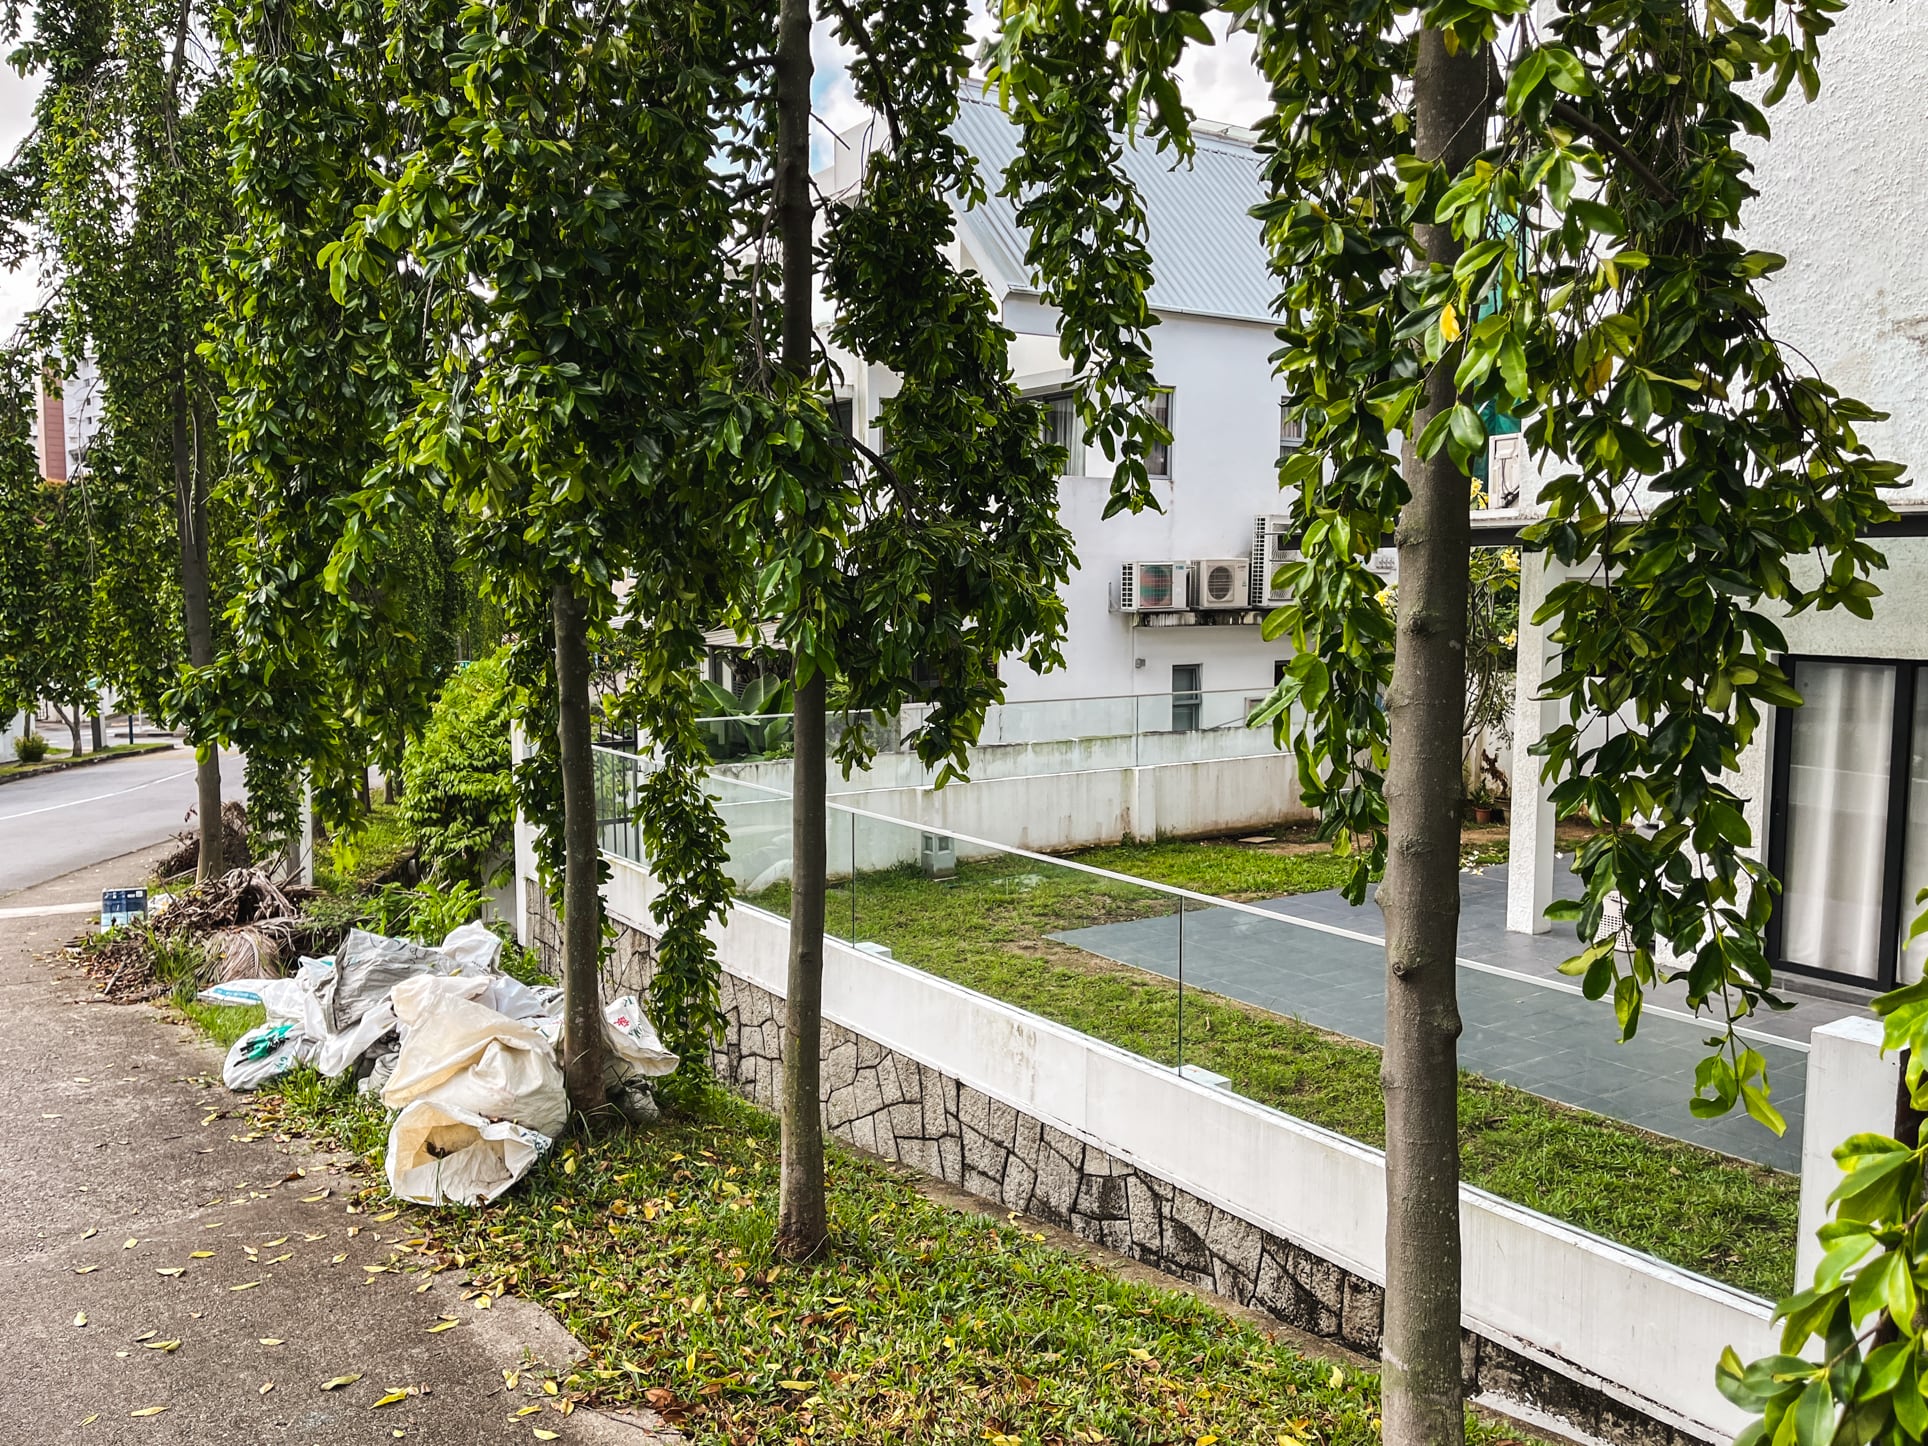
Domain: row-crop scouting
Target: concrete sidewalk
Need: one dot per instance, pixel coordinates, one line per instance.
(137, 1209)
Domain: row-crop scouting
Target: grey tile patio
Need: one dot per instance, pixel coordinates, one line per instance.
(1524, 1027)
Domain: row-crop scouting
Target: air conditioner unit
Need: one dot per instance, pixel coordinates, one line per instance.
(1153, 587)
(1222, 583)
(1385, 562)
(1272, 536)
(1505, 469)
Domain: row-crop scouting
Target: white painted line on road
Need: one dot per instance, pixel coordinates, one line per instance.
(28, 911)
(94, 798)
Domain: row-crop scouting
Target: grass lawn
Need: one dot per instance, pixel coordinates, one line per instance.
(918, 1323)
(57, 757)
(988, 930)
(352, 863)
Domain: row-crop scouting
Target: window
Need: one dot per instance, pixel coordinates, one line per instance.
(843, 411)
(1158, 458)
(1188, 701)
(1848, 820)
(1291, 429)
(1062, 428)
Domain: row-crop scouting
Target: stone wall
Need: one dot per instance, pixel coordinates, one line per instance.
(900, 1109)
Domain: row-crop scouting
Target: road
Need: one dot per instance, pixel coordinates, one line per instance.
(59, 822)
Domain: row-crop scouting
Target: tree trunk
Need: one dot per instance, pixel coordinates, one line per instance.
(582, 1019)
(801, 1222)
(1420, 1356)
(100, 736)
(191, 507)
(73, 727)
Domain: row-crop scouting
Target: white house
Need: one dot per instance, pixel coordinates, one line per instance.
(1163, 603)
(1838, 790)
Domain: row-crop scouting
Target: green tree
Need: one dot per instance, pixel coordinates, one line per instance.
(458, 796)
(122, 180)
(1475, 207)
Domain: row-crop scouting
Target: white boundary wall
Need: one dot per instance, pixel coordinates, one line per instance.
(1639, 1330)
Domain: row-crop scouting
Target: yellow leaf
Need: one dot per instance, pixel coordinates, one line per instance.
(340, 1381)
(270, 1340)
(1449, 323)
(530, 1411)
(170, 1270)
(148, 1411)
(312, 1199)
(1336, 1379)
(80, 1318)
(266, 1386)
(549, 1387)
(1206, 1440)
(129, 1244)
(90, 1232)
(272, 1243)
(163, 1345)
(511, 1379)
(794, 1385)
(249, 1286)
(443, 1325)
(89, 1420)
(146, 1335)
(85, 1269)
(482, 1303)
(200, 1255)
(385, 1215)
(540, 1434)
(390, 1399)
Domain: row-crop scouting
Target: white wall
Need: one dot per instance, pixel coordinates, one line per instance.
(1841, 198)
(1645, 1332)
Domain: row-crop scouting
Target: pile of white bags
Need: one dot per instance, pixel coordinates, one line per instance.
(466, 1053)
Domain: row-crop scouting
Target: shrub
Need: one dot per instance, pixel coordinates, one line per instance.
(456, 797)
(30, 747)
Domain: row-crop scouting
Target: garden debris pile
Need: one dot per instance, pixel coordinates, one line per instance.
(186, 857)
(466, 1053)
(241, 925)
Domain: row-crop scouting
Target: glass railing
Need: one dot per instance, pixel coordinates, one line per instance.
(1244, 997)
(1040, 735)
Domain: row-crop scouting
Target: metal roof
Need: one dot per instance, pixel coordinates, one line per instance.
(1208, 253)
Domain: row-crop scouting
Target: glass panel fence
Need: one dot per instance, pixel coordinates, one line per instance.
(1283, 1002)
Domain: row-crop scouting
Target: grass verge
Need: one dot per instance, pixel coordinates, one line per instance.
(988, 930)
(917, 1324)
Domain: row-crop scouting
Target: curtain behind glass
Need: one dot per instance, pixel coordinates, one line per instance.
(1837, 813)
(1914, 852)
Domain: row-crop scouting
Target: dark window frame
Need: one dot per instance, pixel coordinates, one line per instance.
(1901, 734)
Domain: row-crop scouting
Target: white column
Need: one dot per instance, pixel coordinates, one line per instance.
(525, 844)
(1852, 1088)
(1529, 871)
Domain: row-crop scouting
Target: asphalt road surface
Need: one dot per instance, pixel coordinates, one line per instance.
(58, 822)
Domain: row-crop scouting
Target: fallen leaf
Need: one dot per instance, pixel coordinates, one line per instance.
(482, 1303)
(549, 1387)
(270, 1340)
(89, 1420)
(339, 1259)
(542, 1435)
(148, 1411)
(446, 1323)
(170, 1270)
(269, 1245)
(146, 1335)
(390, 1399)
(163, 1345)
(530, 1411)
(385, 1215)
(200, 1255)
(312, 1199)
(340, 1381)
(129, 1244)
(266, 1386)
(85, 1269)
(511, 1379)
(80, 1318)
(90, 1232)
(794, 1385)
(249, 1286)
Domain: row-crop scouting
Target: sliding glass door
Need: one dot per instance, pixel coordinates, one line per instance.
(1848, 835)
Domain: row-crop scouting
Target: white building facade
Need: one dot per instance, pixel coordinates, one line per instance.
(1183, 623)
(1838, 789)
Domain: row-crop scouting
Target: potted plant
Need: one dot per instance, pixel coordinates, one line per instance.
(1481, 801)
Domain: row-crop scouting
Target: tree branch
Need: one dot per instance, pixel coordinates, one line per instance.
(1617, 148)
(862, 38)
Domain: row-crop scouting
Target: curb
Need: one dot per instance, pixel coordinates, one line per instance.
(88, 762)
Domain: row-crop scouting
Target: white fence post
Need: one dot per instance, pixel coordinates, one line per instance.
(1852, 1087)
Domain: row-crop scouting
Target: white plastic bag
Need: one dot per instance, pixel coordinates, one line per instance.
(466, 1056)
(473, 948)
(280, 997)
(438, 1155)
(633, 1043)
(265, 1052)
